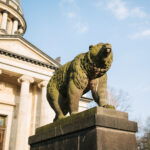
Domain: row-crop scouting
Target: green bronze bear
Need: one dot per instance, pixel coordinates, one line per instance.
(85, 72)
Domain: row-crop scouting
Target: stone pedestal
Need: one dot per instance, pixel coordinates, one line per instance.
(94, 129)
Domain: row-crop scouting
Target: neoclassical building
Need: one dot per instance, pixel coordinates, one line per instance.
(24, 73)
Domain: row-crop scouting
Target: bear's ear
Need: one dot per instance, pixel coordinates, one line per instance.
(90, 47)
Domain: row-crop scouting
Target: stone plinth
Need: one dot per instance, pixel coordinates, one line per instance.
(94, 129)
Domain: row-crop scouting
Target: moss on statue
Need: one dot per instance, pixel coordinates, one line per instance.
(85, 72)
(63, 122)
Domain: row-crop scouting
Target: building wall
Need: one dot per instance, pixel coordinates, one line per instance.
(7, 111)
(25, 109)
(22, 83)
(8, 100)
(9, 105)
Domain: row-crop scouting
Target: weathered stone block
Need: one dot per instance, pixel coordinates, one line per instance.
(94, 129)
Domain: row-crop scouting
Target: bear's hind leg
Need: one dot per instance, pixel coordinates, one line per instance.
(54, 97)
(64, 105)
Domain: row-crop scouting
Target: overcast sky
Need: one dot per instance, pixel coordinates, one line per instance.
(67, 27)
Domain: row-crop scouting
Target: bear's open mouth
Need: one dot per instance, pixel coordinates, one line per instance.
(108, 50)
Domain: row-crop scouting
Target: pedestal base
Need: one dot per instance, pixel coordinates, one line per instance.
(94, 129)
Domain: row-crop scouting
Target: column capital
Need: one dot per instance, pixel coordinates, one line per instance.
(3, 31)
(5, 11)
(21, 27)
(15, 19)
(42, 84)
(24, 78)
(20, 30)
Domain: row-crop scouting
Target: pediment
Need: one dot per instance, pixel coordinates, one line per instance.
(22, 47)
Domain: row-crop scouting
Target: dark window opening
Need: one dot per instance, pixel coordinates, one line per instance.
(2, 130)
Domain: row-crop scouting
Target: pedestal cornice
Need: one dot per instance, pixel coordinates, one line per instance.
(96, 129)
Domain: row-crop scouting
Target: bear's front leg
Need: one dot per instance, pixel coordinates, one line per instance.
(102, 90)
(99, 90)
(74, 95)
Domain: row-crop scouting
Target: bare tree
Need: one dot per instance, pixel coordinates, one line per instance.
(144, 141)
(119, 99)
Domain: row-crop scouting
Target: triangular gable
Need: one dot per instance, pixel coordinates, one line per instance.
(20, 46)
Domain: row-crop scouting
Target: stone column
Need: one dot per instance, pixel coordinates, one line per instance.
(0, 71)
(34, 110)
(4, 20)
(43, 86)
(22, 118)
(21, 30)
(15, 25)
(0, 18)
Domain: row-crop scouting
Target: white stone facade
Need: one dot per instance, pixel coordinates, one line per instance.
(24, 74)
(23, 92)
(22, 95)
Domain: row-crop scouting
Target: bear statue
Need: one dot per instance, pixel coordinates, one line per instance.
(87, 71)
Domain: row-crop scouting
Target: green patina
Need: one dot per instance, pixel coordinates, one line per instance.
(67, 120)
(109, 106)
(85, 72)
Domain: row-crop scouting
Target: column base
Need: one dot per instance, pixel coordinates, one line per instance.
(3, 31)
(94, 129)
(17, 33)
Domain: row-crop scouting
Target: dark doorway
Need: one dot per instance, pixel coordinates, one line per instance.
(2, 130)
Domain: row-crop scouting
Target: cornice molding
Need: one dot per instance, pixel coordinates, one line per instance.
(27, 59)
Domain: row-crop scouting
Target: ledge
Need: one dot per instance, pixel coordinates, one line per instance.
(95, 117)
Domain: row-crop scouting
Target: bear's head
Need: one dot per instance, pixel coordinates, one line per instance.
(101, 56)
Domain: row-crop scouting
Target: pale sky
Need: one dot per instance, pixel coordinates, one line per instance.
(67, 27)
